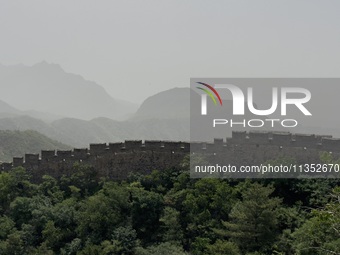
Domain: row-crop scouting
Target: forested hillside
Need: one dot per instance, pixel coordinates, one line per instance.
(17, 143)
(80, 133)
(166, 212)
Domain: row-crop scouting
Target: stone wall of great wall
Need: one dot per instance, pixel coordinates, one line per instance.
(117, 160)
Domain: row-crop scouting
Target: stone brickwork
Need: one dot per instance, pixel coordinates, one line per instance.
(117, 160)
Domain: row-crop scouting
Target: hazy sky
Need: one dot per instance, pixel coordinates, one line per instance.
(137, 48)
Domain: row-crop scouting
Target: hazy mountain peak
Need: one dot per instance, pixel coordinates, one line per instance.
(42, 63)
(169, 104)
(46, 87)
(44, 66)
(6, 108)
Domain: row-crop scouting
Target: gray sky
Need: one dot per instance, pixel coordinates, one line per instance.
(137, 48)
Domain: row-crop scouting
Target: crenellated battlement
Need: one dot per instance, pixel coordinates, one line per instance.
(311, 141)
(116, 159)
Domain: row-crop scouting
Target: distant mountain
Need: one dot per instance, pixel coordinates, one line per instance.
(7, 111)
(48, 88)
(17, 143)
(80, 133)
(164, 116)
(6, 108)
(23, 123)
(174, 105)
(170, 104)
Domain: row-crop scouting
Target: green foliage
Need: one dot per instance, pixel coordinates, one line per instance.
(163, 248)
(6, 226)
(97, 217)
(321, 233)
(253, 220)
(13, 245)
(13, 184)
(223, 247)
(166, 212)
(146, 209)
(82, 181)
(15, 143)
(172, 230)
(126, 239)
(50, 187)
(52, 235)
(203, 205)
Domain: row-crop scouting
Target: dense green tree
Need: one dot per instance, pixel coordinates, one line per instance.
(162, 248)
(80, 176)
(146, 209)
(321, 233)
(50, 187)
(6, 226)
(204, 205)
(160, 181)
(172, 229)
(126, 239)
(253, 221)
(13, 245)
(12, 184)
(52, 235)
(223, 247)
(91, 249)
(167, 212)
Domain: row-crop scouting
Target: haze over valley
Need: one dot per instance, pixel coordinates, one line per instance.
(73, 111)
(76, 112)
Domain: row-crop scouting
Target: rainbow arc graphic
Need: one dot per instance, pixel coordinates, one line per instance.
(211, 92)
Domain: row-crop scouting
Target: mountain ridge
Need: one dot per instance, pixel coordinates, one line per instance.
(48, 88)
(168, 119)
(17, 143)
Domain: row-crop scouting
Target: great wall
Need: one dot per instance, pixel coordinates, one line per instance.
(117, 160)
